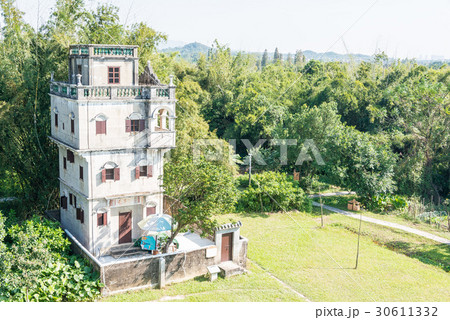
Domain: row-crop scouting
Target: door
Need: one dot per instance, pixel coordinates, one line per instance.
(124, 227)
(227, 247)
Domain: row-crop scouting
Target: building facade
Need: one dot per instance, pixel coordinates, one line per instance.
(112, 127)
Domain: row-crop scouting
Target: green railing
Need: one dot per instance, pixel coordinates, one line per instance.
(162, 93)
(113, 51)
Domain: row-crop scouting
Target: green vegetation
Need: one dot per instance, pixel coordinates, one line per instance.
(35, 265)
(270, 191)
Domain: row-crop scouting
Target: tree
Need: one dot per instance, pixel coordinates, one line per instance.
(424, 114)
(299, 59)
(200, 189)
(276, 56)
(265, 59)
(289, 59)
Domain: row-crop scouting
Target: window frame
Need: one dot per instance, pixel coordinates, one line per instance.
(81, 173)
(109, 174)
(115, 75)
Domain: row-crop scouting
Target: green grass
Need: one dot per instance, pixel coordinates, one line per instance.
(309, 259)
(341, 203)
(319, 263)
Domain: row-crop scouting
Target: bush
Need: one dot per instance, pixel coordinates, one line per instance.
(272, 191)
(385, 203)
(36, 265)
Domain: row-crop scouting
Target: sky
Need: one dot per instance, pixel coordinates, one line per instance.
(401, 28)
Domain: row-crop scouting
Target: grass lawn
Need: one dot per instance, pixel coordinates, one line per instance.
(341, 203)
(319, 263)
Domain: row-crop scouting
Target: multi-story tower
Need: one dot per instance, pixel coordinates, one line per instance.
(112, 128)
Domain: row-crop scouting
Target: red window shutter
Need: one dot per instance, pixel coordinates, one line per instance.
(137, 174)
(151, 210)
(81, 216)
(98, 127)
(127, 125)
(104, 175)
(99, 219)
(116, 174)
(150, 171)
(142, 125)
(105, 219)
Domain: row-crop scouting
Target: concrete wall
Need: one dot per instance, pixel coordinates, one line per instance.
(179, 267)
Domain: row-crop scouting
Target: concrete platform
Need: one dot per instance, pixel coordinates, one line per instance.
(229, 269)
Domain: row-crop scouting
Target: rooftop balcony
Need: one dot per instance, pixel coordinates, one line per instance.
(81, 92)
(103, 50)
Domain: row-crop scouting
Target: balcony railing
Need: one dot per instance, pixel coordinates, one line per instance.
(73, 91)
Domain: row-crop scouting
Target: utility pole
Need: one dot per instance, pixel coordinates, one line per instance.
(250, 169)
(359, 235)
(321, 207)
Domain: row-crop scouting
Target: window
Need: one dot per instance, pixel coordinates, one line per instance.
(151, 210)
(134, 125)
(64, 163)
(144, 171)
(56, 120)
(72, 125)
(80, 215)
(113, 75)
(102, 219)
(74, 201)
(81, 173)
(71, 199)
(70, 156)
(64, 202)
(100, 126)
(111, 174)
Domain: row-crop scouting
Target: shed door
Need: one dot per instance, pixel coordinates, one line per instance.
(227, 247)
(124, 227)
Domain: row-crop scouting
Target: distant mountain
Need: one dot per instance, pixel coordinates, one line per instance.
(191, 52)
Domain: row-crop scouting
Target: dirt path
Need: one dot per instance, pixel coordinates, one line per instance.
(385, 223)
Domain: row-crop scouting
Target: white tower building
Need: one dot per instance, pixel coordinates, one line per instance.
(112, 129)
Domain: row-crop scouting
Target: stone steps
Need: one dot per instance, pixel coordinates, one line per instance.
(229, 269)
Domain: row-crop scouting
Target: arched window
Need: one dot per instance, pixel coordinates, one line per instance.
(134, 123)
(110, 171)
(150, 208)
(72, 122)
(162, 120)
(55, 111)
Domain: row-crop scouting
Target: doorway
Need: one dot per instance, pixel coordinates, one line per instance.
(124, 227)
(227, 247)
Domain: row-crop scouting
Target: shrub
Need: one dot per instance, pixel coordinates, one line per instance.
(385, 203)
(36, 265)
(272, 191)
